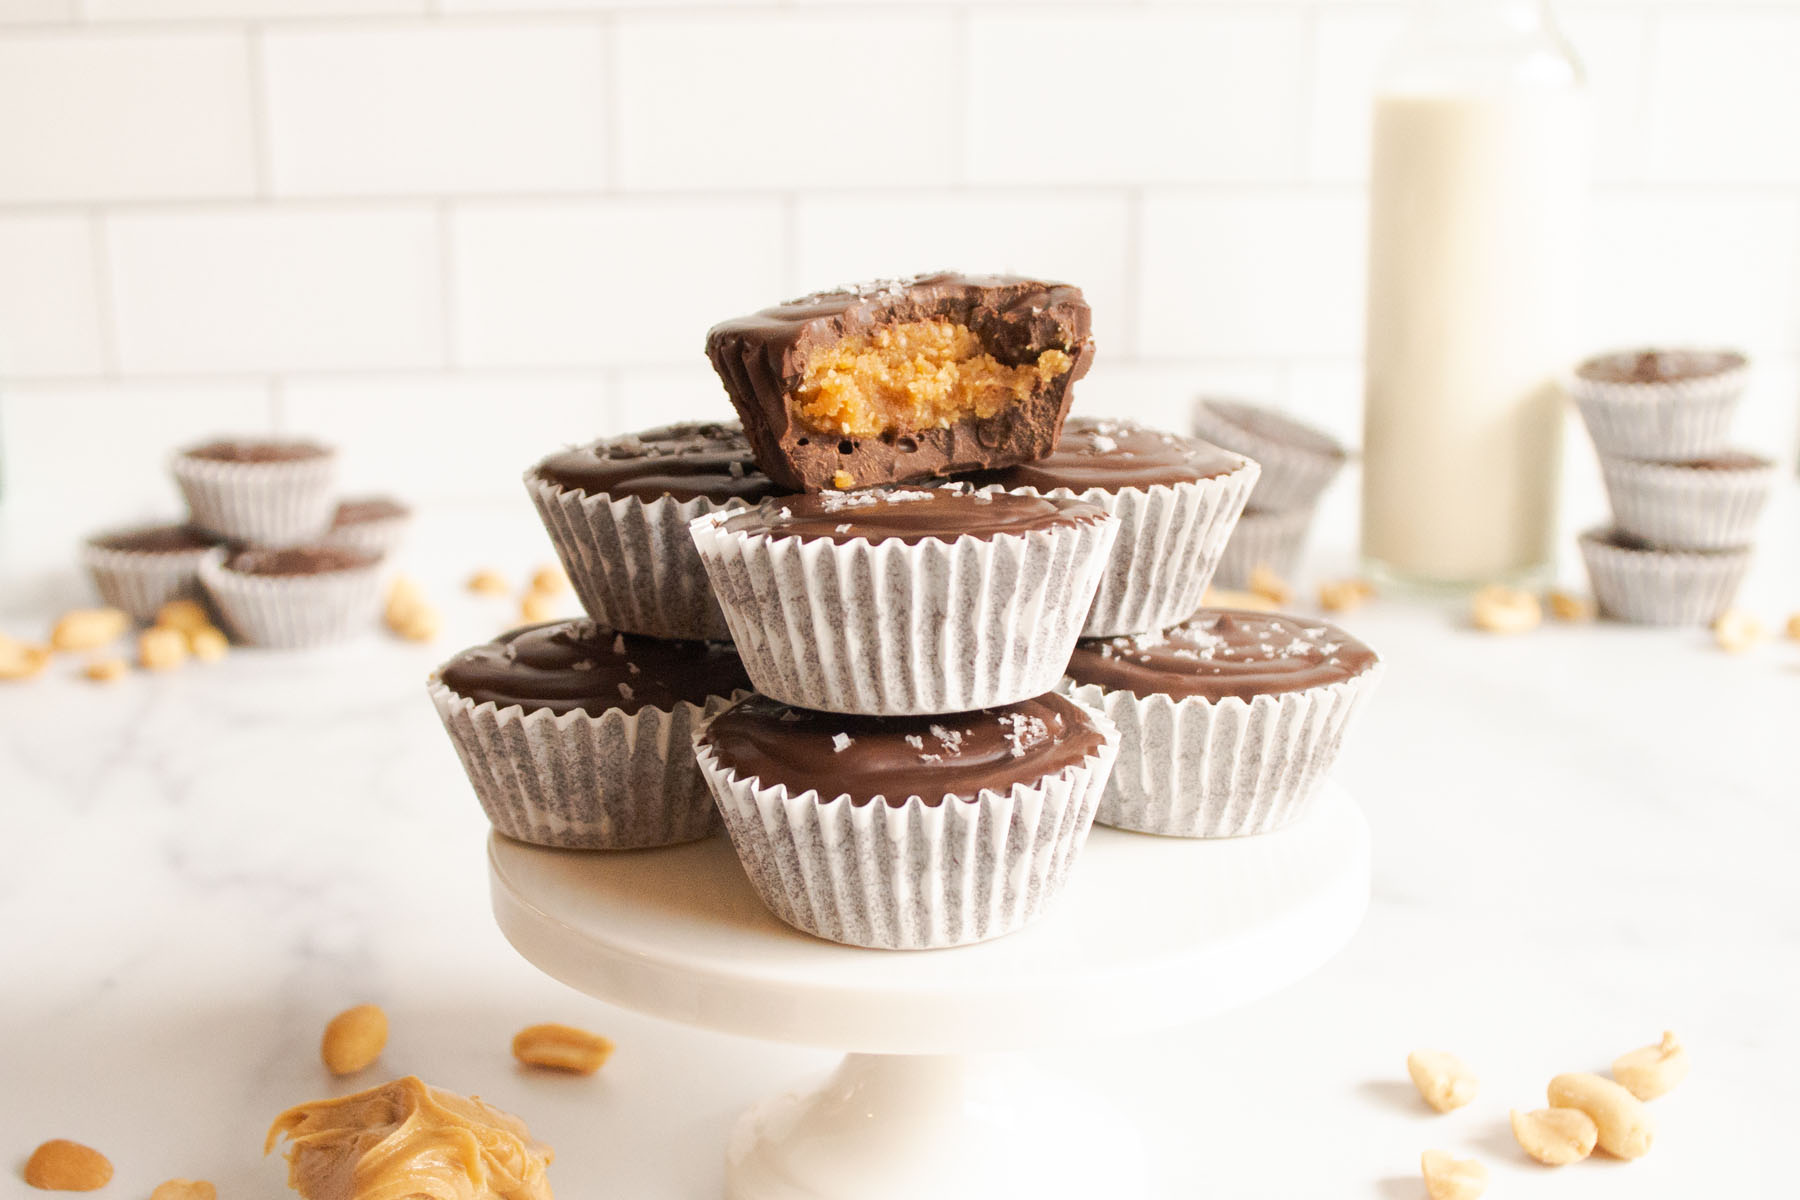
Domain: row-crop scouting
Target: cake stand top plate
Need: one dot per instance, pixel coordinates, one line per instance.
(1150, 932)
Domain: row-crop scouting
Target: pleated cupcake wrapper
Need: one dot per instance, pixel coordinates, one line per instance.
(1677, 421)
(140, 582)
(632, 562)
(1292, 476)
(1199, 768)
(292, 612)
(915, 876)
(1169, 542)
(263, 504)
(887, 628)
(617, 781)
(1270, 539)
(1687, 508)
(381, 536)
(1663, 587)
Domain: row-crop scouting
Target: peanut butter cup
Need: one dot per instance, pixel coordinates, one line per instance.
(293, 597)
(700, 460)
(375, 523)
(259, 491)
(907, 515)
(140, 570)
(1298, 461)
(1660, 404)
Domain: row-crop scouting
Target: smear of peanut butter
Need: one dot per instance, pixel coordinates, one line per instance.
(406, 1140)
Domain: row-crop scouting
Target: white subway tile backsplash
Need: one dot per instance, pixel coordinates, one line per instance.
(644, 397)
(177, 10)
(632, 282)
(1724, 95)
(1612, 45)
(36, 12)
(1127, 95)
(49, 297)
(812, 98)
(1348, 50)
(1078, 239)
(1255, 271)
(263, 289)
(426, 109)
(105, 116)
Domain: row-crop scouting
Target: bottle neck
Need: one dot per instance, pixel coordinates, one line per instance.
(1483, 43)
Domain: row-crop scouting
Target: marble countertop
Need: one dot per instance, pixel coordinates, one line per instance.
(1582, 836)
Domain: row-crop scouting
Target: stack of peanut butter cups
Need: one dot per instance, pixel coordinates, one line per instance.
(1685, 501)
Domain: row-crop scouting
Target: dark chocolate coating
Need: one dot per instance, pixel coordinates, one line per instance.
(1219, 653)
(156, 539)
(372, 508)
(1114, 455)
(568, 665)
(897, 758)
(762, 360)
(909, 515)
(687, 461)
(300, 560)
(1659, 366)
(270, 450)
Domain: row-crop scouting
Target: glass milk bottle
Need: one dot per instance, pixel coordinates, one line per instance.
(1478, 170)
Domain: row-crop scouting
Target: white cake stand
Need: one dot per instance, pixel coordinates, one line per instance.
(1150, 933)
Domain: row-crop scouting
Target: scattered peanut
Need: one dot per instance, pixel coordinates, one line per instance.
(549, 580)
(1448, 1178)
(207, 643)
(1501, 609)
(64, 1166)
(418, 624)
(19, 660)
(185, 615)
(1444, 1080)
(1270, 586)
(562, 1048)
(88, 628)
(106, 670)
(1342, 595)
(1736, 631)
(1793, 627)
(537, 606)
(162, 649)
(1652, 1071)
(1226, 598)
(354, 1039)
(185, 1189)
(1555, 1137)
(842, 480)
(1623, 1123)
(1567, 606)
(489, 583)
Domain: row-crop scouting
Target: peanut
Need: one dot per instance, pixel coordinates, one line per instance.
(106, 670)
(1448, 1178)
(1736, 631)
(1652, 1071)
(64, 1166)
(537, 606)
(208, 644)
(489, 583)
(549, 580)
(185, 1189)
(88, 628)
(418, 624)
(1270, 586)
(1623, 1123)
(1226, 598)
(354, 1039)
(562, 1048)
(1444, 1080)
(1342, 595)
(21, 661)
(843, 480)
(1793, 626)
(185, 615)
(1567, 606)
(162, 649)
(1555, 1136)
(403, 592)
(1500, 609)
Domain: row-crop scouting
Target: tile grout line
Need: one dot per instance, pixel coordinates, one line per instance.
(1134, 266)
(446, 289)
(610, 122)
(100, 245)
(261, 142)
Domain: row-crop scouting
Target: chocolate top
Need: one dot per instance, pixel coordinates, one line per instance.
(1223, 652)
(896, 758)
(568, 665)
(259, 451)
(156, 539)
(1659, 366)
(372, 508)
(300, 560)
(909, 515)
(1275, 427)
(1114, 455)
(1725, 460)
(687, 462)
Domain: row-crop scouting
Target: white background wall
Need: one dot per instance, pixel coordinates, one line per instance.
(452, 233)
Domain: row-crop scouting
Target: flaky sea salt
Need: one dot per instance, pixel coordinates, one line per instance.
(841, 742)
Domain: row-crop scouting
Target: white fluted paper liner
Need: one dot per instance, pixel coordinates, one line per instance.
(1271, 539)
(1677, 507)
(1293, 475)
(1662, 587)
(1673, 421)
(292, 612)
(632, 561)
(1169, 543)
(1199, 768)
(617, 781)
(382, 535)
(915, 876)
(140, 581)
(260, 503)
(890, 629)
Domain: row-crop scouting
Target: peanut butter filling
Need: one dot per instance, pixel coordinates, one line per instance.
(918, 375)
(406, 1140)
